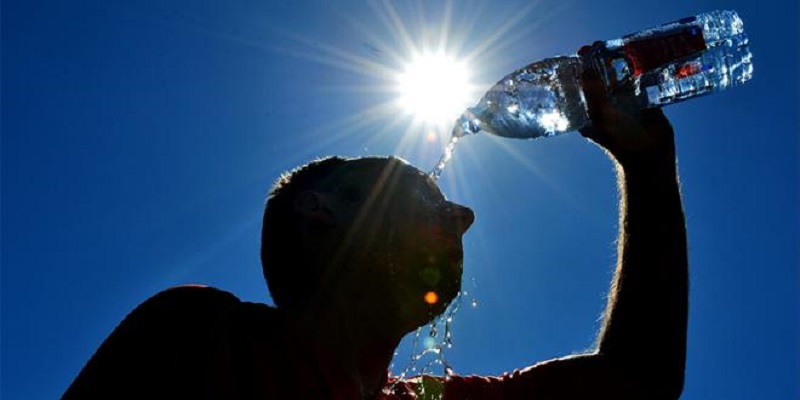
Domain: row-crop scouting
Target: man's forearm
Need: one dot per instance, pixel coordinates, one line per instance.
(644, 331)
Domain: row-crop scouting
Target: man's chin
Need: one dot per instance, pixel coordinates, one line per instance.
(437, 300)
(425, 307)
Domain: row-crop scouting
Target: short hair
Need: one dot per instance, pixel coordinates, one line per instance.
(289, 283)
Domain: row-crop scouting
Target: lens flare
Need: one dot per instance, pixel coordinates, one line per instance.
(431, 298)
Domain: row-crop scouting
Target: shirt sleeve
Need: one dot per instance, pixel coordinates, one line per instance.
(520, 384)
(573, 377)
(159, 349)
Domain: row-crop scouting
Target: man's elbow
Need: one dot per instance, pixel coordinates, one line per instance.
(648, 379)
(673, 387)
(659, 385)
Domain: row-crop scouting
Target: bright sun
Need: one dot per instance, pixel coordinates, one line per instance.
(434, 88)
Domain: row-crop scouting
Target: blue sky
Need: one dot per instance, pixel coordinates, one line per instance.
(139, 140)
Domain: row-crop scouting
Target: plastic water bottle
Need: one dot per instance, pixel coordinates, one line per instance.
(672, 62)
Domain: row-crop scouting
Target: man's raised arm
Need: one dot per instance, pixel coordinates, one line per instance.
(644, 331)
(641, 349)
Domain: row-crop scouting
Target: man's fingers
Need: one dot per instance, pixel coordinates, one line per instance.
(589, 132)
(593, 89)
(595, 135)
(596, 102)
(654, 116)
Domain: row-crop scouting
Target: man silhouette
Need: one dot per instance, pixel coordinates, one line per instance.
(359, 252)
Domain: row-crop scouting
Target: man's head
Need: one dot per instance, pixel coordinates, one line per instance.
(371, 229)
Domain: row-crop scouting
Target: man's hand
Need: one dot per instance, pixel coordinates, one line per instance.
(631, 137)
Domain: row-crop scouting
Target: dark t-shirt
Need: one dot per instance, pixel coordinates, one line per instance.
(198, 342)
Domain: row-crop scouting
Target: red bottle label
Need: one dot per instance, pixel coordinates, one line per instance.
(653, 52)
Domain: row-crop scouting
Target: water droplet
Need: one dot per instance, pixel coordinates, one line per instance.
(428, 353)
(474, 303)
(448, 153)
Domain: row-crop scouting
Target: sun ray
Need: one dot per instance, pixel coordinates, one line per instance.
(529, 33)
(372, 39)
(392, 19)
(515, 151)
(317, 51)
(466, 28)
(380, 116)
(501, 33)
(407, 139)
(444, 26)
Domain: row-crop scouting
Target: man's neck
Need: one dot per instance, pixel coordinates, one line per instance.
(360, 345)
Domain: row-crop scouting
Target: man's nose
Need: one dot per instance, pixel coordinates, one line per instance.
(461, 217)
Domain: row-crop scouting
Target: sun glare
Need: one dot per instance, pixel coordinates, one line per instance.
(434, 88)
(414, 76)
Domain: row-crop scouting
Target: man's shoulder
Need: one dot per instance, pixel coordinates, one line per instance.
(189, 298)
(193, 293)
(199, 303)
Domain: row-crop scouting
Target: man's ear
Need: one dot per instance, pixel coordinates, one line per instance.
(313, 208)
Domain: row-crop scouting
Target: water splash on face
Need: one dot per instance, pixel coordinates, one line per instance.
(430, 343)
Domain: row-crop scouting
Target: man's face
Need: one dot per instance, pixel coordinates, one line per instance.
(402, 234)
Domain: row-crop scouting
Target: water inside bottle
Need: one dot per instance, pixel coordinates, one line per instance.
(542, 99)
(530, 103)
